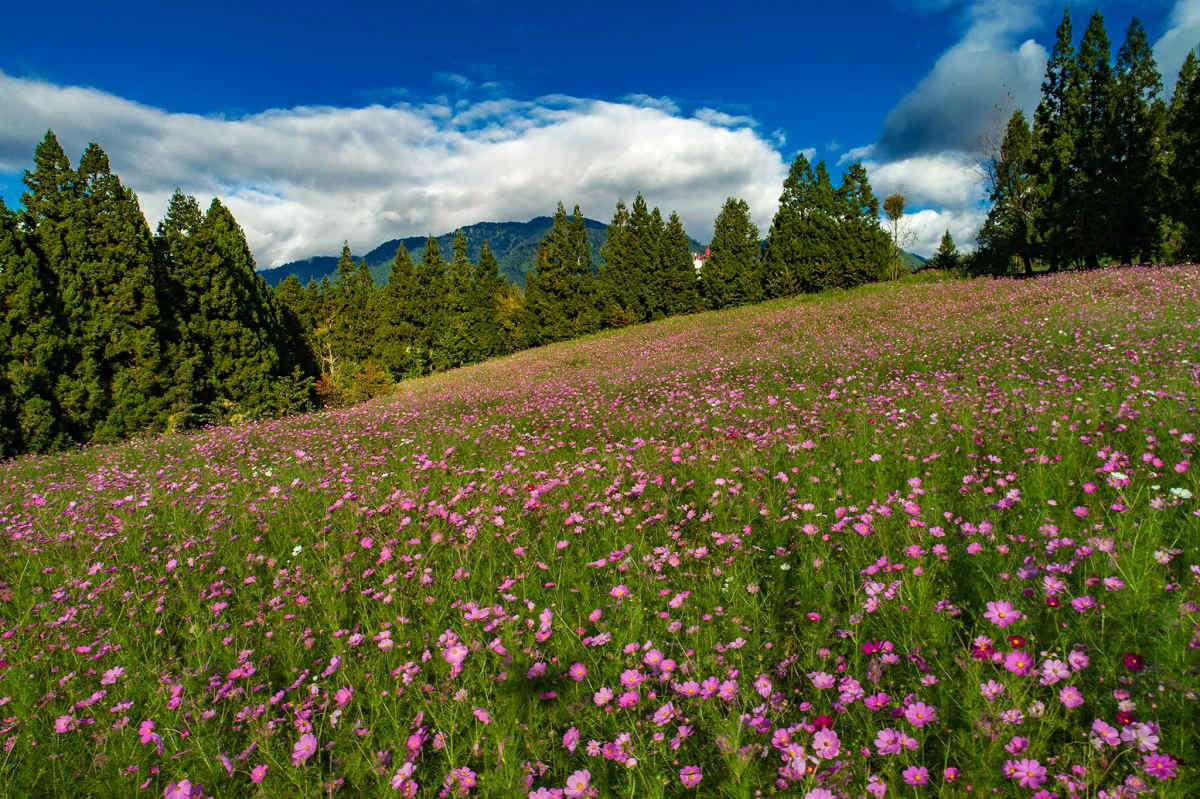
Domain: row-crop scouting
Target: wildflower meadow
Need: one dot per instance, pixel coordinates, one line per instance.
(930, 539)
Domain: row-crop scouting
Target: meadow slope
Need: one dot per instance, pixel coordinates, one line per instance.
(929, 539)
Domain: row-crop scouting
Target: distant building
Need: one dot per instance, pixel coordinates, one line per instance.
(698, 260)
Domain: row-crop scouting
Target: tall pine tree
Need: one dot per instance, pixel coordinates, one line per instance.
(1055, 131)
(1139, 128)
(1008, 231)
(731, 274)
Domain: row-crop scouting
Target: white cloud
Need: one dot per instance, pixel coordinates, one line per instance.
(714, 117)
(927, 227)
(947, 180)
(1182, 35)
(300, 180)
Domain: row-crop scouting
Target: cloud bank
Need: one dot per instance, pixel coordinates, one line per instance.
(302, 180)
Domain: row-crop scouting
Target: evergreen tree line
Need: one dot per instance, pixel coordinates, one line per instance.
(435, 314)
(1108, 171)
(107, 330)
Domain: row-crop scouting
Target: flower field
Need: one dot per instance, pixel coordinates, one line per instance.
(930, 539)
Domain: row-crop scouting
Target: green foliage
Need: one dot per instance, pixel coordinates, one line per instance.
(946, 257)
(560, 297)
(395, 337)
(732, 274)
(1182, 230)
(1008, 232)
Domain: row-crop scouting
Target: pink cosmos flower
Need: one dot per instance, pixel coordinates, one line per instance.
(826, 744)
(690, 776)
(916, 775)
(258, 773)
(304, 748)
(571, 739)
(112, 675)
(1018, 662)
(482, 715)
(1070, 696)
(577, 784)
(577, 672)
(343, 696)
(65, 724)
(1164, 767)
(1002, 613)
(919, 714)
(603, 696)
(1029, 773)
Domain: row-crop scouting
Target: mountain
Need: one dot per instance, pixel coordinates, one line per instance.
(514, 244)
(914, 262)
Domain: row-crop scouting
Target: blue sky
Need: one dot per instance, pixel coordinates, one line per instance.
(365, 123)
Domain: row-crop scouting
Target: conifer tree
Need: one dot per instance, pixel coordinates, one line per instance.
(487, 287)
(681, 289)
(1092, 178)
(352, 327)
(238, 323)
(428, 289)
(560, 298)
(453, 346)
(1055, 131)
(946, 256)
(1139, 121)
(396, 336)
(731, 274)
(32, 346)
(1008, 231)
(865, 249)
(786, 269)
(1184, 159)
(113, 389)
(617, 284)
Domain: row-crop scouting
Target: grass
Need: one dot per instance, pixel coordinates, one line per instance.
(937, 538)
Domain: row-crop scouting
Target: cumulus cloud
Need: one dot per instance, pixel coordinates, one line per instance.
(928, 225)
(946, 180)
(300, 180)
(954, 106)
(1183, 34)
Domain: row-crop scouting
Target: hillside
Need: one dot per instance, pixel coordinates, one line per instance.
(514, 244)
(934, 533)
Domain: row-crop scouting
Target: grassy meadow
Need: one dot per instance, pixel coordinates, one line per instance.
(925, 539)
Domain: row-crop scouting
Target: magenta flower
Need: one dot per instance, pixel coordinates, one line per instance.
(258, 773)
(577, 784)
(577, 672)
(343, 696)
(826, 744)
(1018, 662)
(919, 714)
(1029, 773)
(690, 776)
(1133, 661)
(1164, 767)
(1070, 696)
(305, 748)
(65, 724)
(1002, 613)
(915, 775)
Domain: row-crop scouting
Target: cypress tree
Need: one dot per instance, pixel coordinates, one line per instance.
(616, 290)
(865, 249)
(352, 326)
(681, 289)
(583, 310)
(731, 274)
(1093, 175)
(453, 346)
(395, 337)
(785, 270)
(946, 256)
(487, 287)
(239, 322)
(1139, 129)
(114, 388)
(1008, 231)
(1184, 161)
(1055, 133)
(429, 287)
(32, 346)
